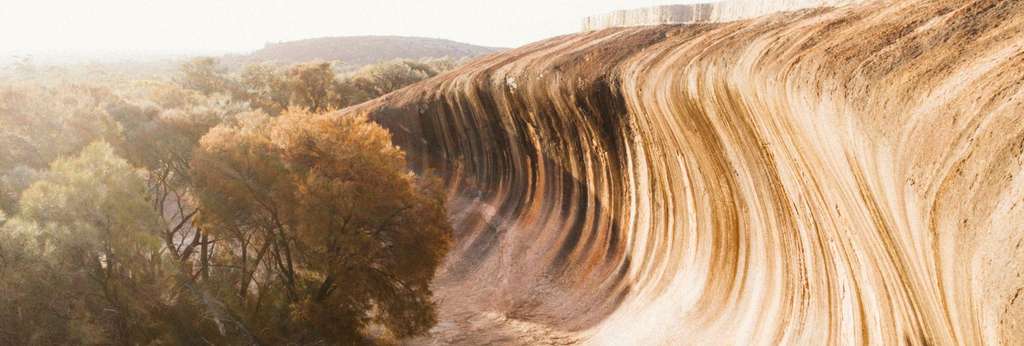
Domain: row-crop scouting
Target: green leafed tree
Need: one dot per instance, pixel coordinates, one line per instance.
(264, 87)
(38, 125)
(206, 76)
(383, 78)
(82, 263)
(313, 87)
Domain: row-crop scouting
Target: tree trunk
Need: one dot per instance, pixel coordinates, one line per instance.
(204, 255)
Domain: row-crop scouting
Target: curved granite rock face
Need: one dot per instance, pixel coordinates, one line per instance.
(825, 176)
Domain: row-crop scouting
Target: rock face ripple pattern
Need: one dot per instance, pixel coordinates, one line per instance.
(828, 176)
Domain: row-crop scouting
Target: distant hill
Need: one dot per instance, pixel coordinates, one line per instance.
(360, 50)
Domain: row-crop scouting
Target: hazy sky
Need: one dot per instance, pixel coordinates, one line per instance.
(216, 26)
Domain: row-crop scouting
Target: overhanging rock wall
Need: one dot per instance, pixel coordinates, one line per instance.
(700, 13)
(840, 176)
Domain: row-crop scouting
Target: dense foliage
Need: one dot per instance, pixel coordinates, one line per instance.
(213, 208)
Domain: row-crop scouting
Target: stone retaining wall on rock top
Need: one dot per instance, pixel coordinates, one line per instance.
(701, 13)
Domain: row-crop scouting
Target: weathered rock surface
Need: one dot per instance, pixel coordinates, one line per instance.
(830, 176)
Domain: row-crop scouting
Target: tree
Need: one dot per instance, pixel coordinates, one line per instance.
(383, 78)
(313, 86)
(298, 229)
(86, 236)
(38, 125)
(441, 65)
(205, 75)
(162, 141)
(330, 231)
(264, 87)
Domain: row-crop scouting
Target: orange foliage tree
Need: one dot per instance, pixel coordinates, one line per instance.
(327, 229)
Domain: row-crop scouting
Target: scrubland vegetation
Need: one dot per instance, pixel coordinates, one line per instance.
(212, 207)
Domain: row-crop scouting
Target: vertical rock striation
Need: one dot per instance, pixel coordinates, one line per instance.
(845, 175)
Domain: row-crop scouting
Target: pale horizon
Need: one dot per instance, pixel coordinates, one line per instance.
(124, 28)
